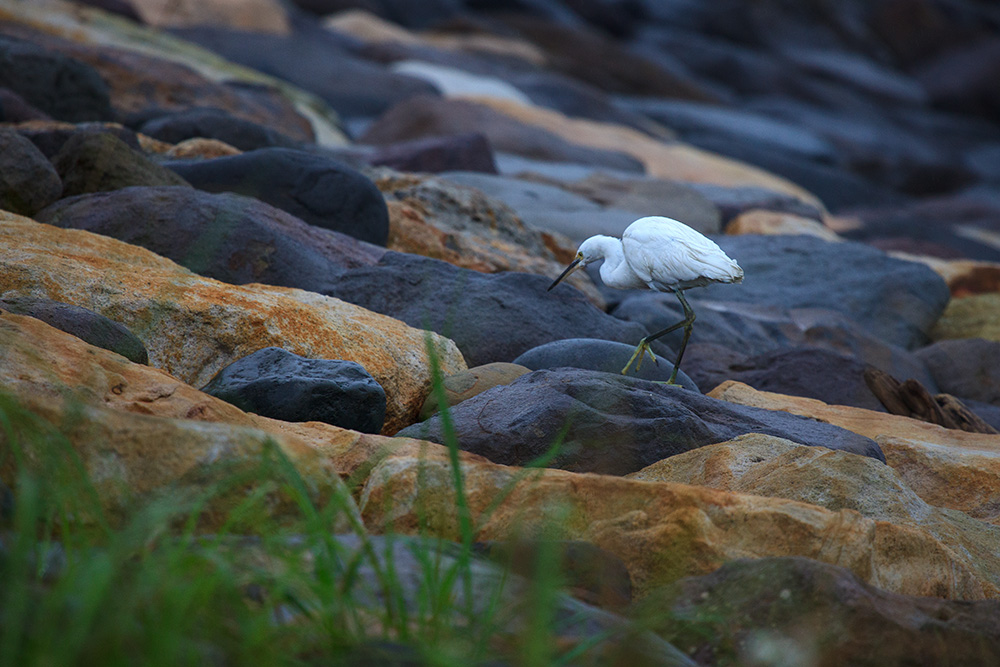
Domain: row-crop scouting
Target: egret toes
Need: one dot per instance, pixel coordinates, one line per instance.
(640, 353)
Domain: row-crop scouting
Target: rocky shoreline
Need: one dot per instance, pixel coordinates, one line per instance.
(222, 229)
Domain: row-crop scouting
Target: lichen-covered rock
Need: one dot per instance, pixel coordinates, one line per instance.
(194, 326)
(946, 467)
(661, 531)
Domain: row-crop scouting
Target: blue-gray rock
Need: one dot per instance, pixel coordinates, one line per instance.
(28, 181)
(99, 162)
(278, 384)
(898, 301)
(749, 329)
(86, 325)
(601, 355)
(315, 188)
(734, 124)
(810, 372)
(731, 202)
(57, 84)
(217, 124)
(15, 109)
(967, 368)
(491, 317)
(316, 60)
(611, 424)
(51, 138)
(225, 236)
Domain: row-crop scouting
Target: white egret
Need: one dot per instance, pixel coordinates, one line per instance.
(664, 255)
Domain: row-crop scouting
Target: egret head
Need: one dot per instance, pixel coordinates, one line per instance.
(590, 251)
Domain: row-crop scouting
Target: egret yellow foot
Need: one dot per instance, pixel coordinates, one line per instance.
(639, 354)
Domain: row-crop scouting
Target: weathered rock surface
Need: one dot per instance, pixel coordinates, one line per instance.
(611, 424)
(466, 384)
(225, 236)
(947, 468)
(757, 221)
(976, 316)
(285, 386)
(763, 465)
(131, 431)
(491, 317)
(317, 189)
(816, 613)
(28, 182)
(100, 162)
(436, 217)
(663, 531)
(194, 326)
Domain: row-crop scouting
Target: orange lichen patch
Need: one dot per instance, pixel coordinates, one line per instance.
(194, 326)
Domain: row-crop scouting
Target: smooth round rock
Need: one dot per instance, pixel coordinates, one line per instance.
(278, 384)
(100, 162)
(28, 182)
(601, 355)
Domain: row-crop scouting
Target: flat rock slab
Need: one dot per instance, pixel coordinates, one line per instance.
(611, 424)
(316, 188)
(278, 384)
(491, 317)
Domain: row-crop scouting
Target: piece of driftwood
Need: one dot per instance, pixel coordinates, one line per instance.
(911, 399)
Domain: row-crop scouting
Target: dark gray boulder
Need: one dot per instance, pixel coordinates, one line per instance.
(896, 300)
(86, 325)
(611, 424)
(28, 182)
(601, 355)
(315, 188)
(278, 384)
(57, 84)
(750, 330)
(491, 317)
(225, 236)
(217, 124)
(810, 372)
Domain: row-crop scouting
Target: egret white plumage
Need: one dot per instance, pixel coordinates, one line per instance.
(663, 255)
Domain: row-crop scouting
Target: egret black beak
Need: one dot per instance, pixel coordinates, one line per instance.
(569, 269)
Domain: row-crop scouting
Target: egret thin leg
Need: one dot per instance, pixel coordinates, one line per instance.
(687, 323)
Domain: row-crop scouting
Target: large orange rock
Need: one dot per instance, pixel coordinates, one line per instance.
(946, 467)
(661, 531)
(139, 431)
(194, 326)
(673, 161)
(764, 465)
(759, 221)
(251, 15)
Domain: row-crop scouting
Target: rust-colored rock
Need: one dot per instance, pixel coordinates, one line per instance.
(764, 465)
(250, 15)
(661, 531)
(759, 221)
(194, 326)
(947, 468)
(432, 217)
(140, 431)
